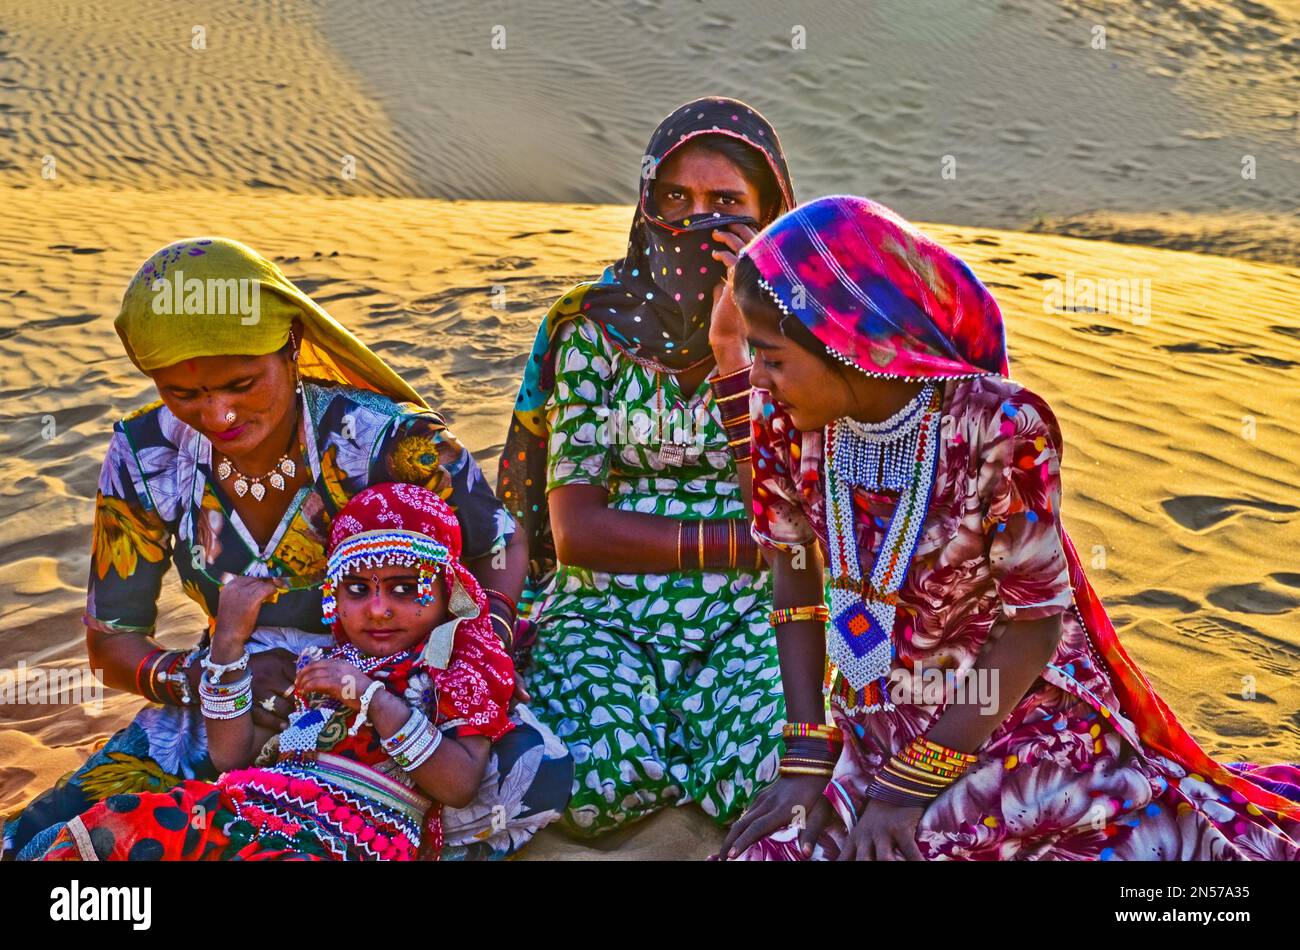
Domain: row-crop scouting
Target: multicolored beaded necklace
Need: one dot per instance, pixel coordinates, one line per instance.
(900, 454)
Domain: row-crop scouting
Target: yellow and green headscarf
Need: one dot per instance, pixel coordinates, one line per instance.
(213, 296)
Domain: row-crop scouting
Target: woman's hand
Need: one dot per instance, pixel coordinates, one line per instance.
(336, 678)
(727, 324)
(883, 833)
(789, 798)
(240, 600)
(273, 672)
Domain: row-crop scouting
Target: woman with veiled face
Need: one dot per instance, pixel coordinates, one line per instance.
(654, 659)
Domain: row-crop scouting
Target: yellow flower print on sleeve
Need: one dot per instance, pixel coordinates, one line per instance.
(124, 533)
(191, 590)
(418, 457)
(333, 477)
(300, 550)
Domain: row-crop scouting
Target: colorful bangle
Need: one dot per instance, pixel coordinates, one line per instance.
(505, 599)
(811, 762)
(966, 757)
(226, 700)
(413, 744)
(825, 772)
(151, 655)
(812, 730)
(731, 384)
(151, 675)
(818, 612)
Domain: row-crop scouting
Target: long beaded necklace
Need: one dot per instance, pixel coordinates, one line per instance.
(900, 454)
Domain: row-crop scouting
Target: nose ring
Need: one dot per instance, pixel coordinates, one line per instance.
(230, 416)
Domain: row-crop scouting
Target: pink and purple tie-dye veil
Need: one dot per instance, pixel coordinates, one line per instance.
(884, 298)
(878, 293)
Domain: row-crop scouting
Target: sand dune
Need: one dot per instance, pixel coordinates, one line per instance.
(1179, 402)
(1040, 128)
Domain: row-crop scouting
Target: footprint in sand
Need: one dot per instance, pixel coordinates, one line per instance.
(1232, 722)
(1098, 329)
(1253, 599)
(1160, 598)
(1287, 331)
(1221, 635)
(1040, 275)
(1201, 512)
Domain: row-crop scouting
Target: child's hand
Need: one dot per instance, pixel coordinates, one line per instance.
(336, 678)
(241, 599)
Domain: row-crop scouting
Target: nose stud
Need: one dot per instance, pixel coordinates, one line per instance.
(230, 416)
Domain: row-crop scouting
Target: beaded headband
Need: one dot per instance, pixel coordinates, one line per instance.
(850, 361)
(383, 548)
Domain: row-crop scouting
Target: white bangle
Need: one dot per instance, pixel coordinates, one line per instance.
(364, 712)
(217, 670)
(413, 744)
(226, 700)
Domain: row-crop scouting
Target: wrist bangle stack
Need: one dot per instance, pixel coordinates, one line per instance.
(364, 712)
(811, 748)
(412, 744)
(226, 700)
(919, 773)
(818, 612)
(731, 394)
(144, 684)
(717, 543)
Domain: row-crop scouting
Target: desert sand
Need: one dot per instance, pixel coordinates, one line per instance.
(1179, 404)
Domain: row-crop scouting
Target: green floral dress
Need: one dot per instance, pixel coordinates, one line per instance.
(666, 687)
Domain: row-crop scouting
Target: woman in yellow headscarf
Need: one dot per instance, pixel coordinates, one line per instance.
(272, 416)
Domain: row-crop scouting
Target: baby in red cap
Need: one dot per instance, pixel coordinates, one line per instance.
(392, 722)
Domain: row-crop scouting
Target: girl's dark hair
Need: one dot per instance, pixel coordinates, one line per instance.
(753, 164)
(761, 309)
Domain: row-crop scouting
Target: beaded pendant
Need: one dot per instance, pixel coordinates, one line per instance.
(900, 454)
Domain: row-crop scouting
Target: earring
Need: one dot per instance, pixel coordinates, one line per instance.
(424, 586)
(329, 606)
(297, 377)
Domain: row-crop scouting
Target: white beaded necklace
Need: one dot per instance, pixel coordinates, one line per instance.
(900, 454)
